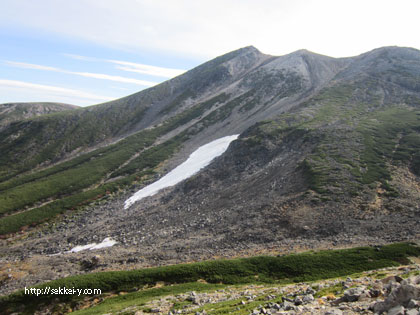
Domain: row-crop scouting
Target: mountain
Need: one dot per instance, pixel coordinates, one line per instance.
(236, 82)
(11, 112)
(328, 154)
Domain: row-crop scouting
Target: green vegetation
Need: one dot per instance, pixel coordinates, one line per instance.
(45, 138)
(72, 184)
(392, 136)
(140, 297)
(335, 289)
(410, 274)
(315, 176)
(353, 139)
(308, 266)
(235, 306)
(359, 152)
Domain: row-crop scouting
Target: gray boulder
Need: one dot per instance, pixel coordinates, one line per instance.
(308, 298)
(397, 310)
(401, 295)
(413, 304)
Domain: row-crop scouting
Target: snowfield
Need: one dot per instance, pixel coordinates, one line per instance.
(199, 159)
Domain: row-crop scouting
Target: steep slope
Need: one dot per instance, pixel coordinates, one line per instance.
(343, 164)
(222, 97)
(11, 112)
(242, 79)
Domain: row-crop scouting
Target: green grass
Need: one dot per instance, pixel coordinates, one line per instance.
(139, 298)
(234, 306)
(336, 289)
(410, 274)
(388, 136)
(302, 267)
(391, 135)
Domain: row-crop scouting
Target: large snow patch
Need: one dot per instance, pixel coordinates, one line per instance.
(199, 159)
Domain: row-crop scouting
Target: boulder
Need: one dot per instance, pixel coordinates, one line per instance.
(397, 310)
(288, 306)
(350, 295)
(298, 301)
(308, 298)
(391, 279)
(413, 304)
(401, 295)
(353, 294)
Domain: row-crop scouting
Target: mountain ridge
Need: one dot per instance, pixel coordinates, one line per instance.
(11, 112)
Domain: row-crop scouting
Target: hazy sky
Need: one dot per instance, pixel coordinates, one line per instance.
(90, 51)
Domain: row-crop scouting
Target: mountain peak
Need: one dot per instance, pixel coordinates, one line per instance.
(397, 51)
(246, 50)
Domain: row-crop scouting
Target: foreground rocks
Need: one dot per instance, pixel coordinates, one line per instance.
(391, 291)
(400, 297)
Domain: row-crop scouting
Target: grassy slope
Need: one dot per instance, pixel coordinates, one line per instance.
(307, 266)
(79, 181)
(30, 143)
(356, 139)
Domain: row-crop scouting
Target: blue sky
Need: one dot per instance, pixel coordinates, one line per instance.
(46, 67)
(85, 52)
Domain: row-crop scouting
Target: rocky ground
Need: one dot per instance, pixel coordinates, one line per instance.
(392, 291)
(148, 236)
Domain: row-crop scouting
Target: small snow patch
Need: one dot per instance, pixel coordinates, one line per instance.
(107, 242)
(199, 159)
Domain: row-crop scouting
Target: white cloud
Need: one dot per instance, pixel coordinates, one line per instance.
(113, 78)
(30, 66)
(133, 67)
(79, 57)
(53, 93)
(147, 69)
(82, 74)
(204, 29)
